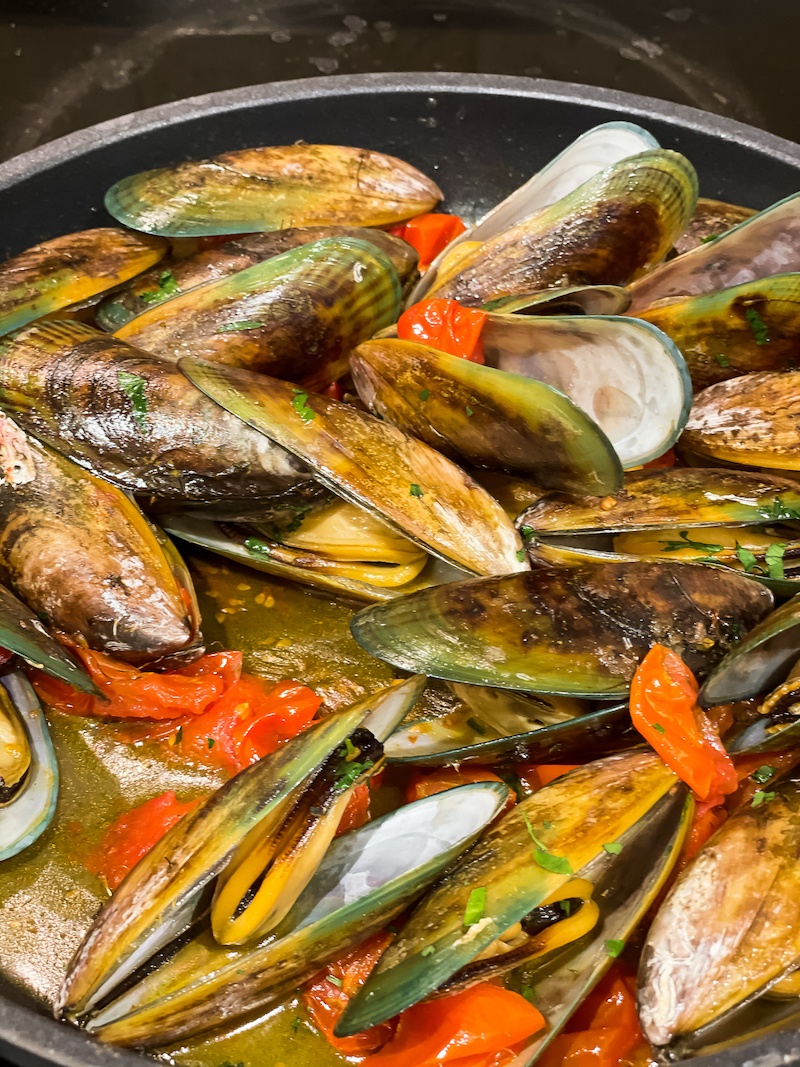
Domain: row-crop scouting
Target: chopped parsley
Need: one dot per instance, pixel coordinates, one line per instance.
(763, 774)
(778, 510)
(760, 797)
(235, 327)
(350, 750)
(521, 555)
(167, 286)
(613, 948)
(547, 860)
(566, 907)
(424, 394)
(758, 326)
(708, 237)
(300, 405)
(686, 542)
(746, 558)
(469, 410)
(722, 360)
(256, 547)
(476, 906)
(414, 490)
(351, 773)
(657, 726)
(210, 742)
(613, 847)
(428, 951)
(528, 992)
(134, 388)
(774, 560)
(296, 1023)
(527, 533)
(478, 727)
(334, 980)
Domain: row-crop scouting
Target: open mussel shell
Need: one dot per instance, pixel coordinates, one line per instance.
(570, 300)
(295, 316)
(71, 269)
(731, 925)
(629, 377)
(684, 497)
(164, 893)
(759, 661)
(509, 632)
(572, 818)
(611, 229)
(273, 188)
(84, 558)
(22, 632)
(366, 879)
(177, 276)
(498, 725)
(749, 421)
(712, 218)
(765, 244)
(590, 154)
(486, 416)
(375, 465)
(27, 764)
(136, 421)
(626, 884)
(750, 327)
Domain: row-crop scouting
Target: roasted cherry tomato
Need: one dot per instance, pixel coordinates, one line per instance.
(429, 235)
(446, 325)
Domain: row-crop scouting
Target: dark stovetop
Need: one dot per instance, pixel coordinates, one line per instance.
(65, 64)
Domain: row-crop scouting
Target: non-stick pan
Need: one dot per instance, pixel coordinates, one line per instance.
(479, 136)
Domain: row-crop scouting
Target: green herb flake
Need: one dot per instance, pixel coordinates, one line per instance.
(554, 864)
(469, 411)
(613, 848)
(296, 1023)
(428, 951)
(760, 797)
(778, 510)
(773, 558)
(527, 533)
(167, 286)
(614, 948)
(566, 908)
(424, 394)
(351, 773)
(708, 237)
(236, 327)
(478, 727)
(256, 547)
(476, 906)
(521, 555)
(547, 825)
(687, 542)
(210, 742)
(134, 388)
(657, 726)
(758, 326)
(722, 360)
(746, 558)
(350, 750)
(763, 774)
(334, 980)
(415, 490)
(300, 405)
(528, 992)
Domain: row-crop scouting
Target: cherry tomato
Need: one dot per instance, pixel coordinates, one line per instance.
(445, 325)
(429, 235)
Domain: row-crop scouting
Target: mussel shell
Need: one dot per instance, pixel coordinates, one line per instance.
(570, 300)
(487, 416)
(610, 230)
(82, 556)
(572, 818)
(136, 421)
(70, 269)
(30, 812)
(627, 376)
(760, 661)
(719, 341)
(177, 276)
(748, 421)
(375, 465)
(364, 881)
(765, 244)
(711, 219)
(575, 631)
(273, 188)
(686, 497)
(731, 924)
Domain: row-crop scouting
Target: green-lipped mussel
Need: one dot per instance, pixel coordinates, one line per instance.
(712, 218)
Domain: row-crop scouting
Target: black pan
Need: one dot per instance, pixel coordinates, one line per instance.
(480, 136)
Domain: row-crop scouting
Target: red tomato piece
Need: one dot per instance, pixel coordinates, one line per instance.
(480, 1020)
(326, 1000)
(589, 1048)
(133, 834)
(664, 710)
(429, 235)
(548, 772)
(445, 325)
(609, 1006)
(357, 811)
(426, 783)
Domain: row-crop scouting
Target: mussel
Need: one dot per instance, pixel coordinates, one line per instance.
(82, 556)
(579, 630)
(178, 275)
(295, 316)
(273, 188)
(712, 218)
(610, 230)
(70, 269)
(375, 465)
